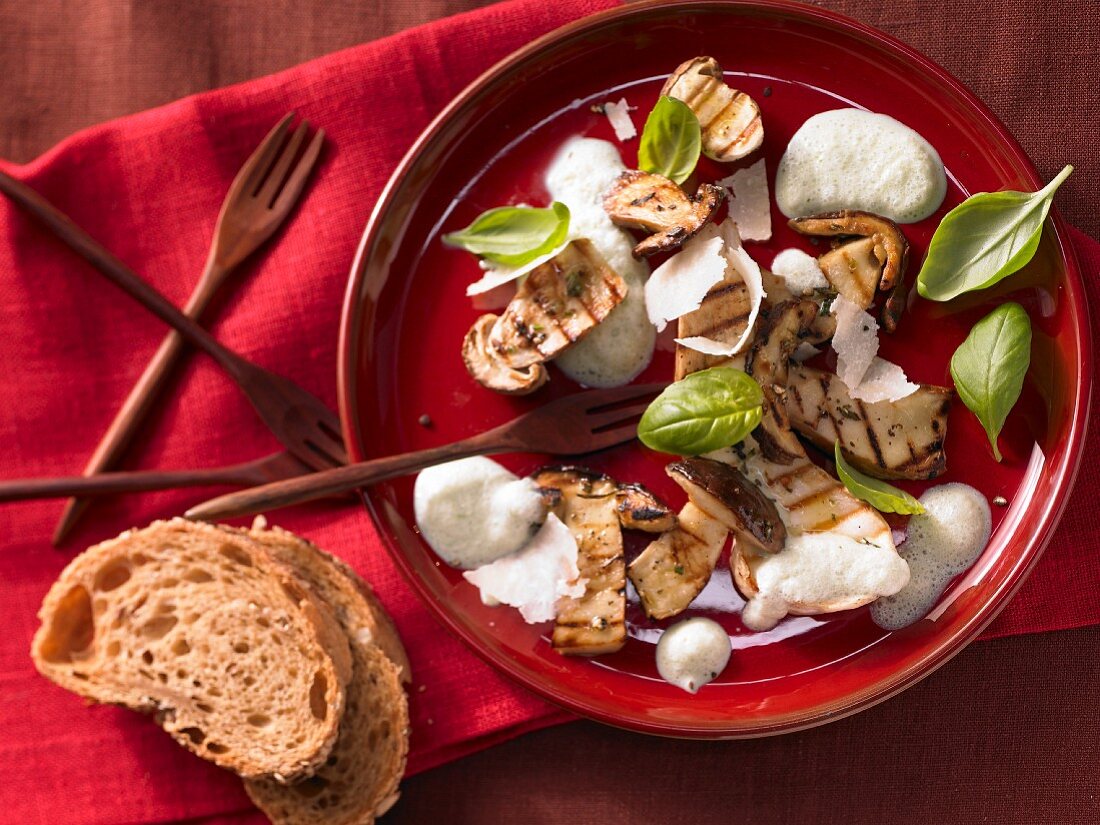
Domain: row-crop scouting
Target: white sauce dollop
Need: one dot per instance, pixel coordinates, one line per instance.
(852, 159)
(473, 511)
(621, 346)
(692, 653)
(821, 569)
(943, 542)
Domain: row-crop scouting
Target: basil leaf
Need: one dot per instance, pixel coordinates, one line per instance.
(989, 367)
(706, 411)
(514, 235)
(885, 498)
(671, 140)
(985, 239)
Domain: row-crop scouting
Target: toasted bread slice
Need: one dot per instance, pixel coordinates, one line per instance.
(230, 649)
(359, 781)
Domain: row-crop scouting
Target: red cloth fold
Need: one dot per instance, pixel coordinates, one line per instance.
(149, 188)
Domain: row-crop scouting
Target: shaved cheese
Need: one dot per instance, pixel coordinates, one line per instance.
(740, 268)
(497, 275)
(883, 381)
(799, 271)
(619, 115)
(680, 284)
(534, 578)
(855, 341)
(749, 206)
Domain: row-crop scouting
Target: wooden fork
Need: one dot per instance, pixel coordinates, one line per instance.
(258, 201)
(298, 419)
(577, 424)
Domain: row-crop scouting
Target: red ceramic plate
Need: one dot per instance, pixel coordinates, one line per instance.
(406, 313)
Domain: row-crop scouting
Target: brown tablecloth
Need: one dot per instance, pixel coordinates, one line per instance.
(1007, 732)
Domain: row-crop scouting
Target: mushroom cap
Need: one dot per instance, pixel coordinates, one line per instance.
(489, 369)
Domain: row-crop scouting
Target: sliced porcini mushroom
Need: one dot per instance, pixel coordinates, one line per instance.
(721, 490)
(676, 566)
(885, 439)
(639, 509)
(558, 303)
(729, 119)
(595, 508)
(486, 365)
(779, 332)
(850, 272)
(777, 291)
(643, 200)
(854, 270)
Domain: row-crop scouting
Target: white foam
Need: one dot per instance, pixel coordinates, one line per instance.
(799, 271)
(943, 542)
(692, 653)
(852, 159)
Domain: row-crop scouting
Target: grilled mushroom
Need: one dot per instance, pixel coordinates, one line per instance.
(887, 439)
(778, 333)
(642, 200)
(639, 509)
(558, 303)
(489, 368)
(672, 570)
(595, 508)
(722, 491)
(730, 119)
(852, 270)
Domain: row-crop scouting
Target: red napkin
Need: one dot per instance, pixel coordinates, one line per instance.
(149, 187)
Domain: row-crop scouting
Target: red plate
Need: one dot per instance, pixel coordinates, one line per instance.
(406, 313)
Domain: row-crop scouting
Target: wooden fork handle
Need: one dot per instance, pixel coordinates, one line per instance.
(116, 271)
(342, 479)
(138, 481)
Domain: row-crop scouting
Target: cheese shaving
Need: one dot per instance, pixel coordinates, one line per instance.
(497, 275)
(619, 115)
(883, 381)
(680, 284)
(740, 268)
(855, 341)
(535, 577)
(749, 205)
(799, 271)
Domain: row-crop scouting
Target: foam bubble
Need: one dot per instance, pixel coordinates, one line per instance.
(943, 542)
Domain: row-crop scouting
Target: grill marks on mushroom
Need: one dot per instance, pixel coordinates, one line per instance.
(887, 439)
(672, 570)
(642, 200)
(595, 508)
(851, 266)
(558, 303)
(780, 331)
(730, 119)
(490, 369)
(723, 316)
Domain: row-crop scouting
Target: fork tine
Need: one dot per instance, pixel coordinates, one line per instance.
(613, 437)
(255, 169)
(598, 421)
(300, 174)
(287, 156)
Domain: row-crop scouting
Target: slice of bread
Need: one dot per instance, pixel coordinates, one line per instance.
(359, 780)
(238, 659)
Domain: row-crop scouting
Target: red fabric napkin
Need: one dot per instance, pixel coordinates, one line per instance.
(149, 187)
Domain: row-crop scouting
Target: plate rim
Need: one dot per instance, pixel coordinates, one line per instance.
(1049, 514)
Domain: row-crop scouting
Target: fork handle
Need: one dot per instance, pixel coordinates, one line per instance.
(341, 479)
(118, 273)
(138, 481)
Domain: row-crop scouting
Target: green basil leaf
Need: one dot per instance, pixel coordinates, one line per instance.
(989, 367)
(706, 411)
(985, 239)
(885, 498)
(671, 140)
(514, 235)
